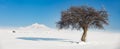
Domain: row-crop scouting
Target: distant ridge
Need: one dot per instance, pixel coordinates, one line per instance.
(35, 27)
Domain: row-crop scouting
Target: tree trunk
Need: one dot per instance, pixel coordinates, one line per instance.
(83, 38)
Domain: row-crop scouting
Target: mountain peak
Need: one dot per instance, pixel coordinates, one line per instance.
(36, 26)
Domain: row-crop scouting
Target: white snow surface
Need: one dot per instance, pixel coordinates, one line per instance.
(37, 36)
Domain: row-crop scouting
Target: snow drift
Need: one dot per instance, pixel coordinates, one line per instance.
(38, 36)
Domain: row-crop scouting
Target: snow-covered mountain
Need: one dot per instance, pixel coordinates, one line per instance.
(36, 27)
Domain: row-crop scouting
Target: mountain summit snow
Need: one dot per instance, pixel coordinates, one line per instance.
(35, 27)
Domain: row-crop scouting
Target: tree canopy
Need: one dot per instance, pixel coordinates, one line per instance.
(77, 17)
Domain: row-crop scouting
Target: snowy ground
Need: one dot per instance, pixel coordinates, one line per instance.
(41, 37)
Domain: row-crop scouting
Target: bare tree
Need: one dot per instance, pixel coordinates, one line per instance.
(77, 17)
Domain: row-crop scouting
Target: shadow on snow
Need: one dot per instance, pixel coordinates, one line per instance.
(40, 38)
(45, 39)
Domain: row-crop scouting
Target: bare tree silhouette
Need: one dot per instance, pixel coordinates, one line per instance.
(77, 17)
